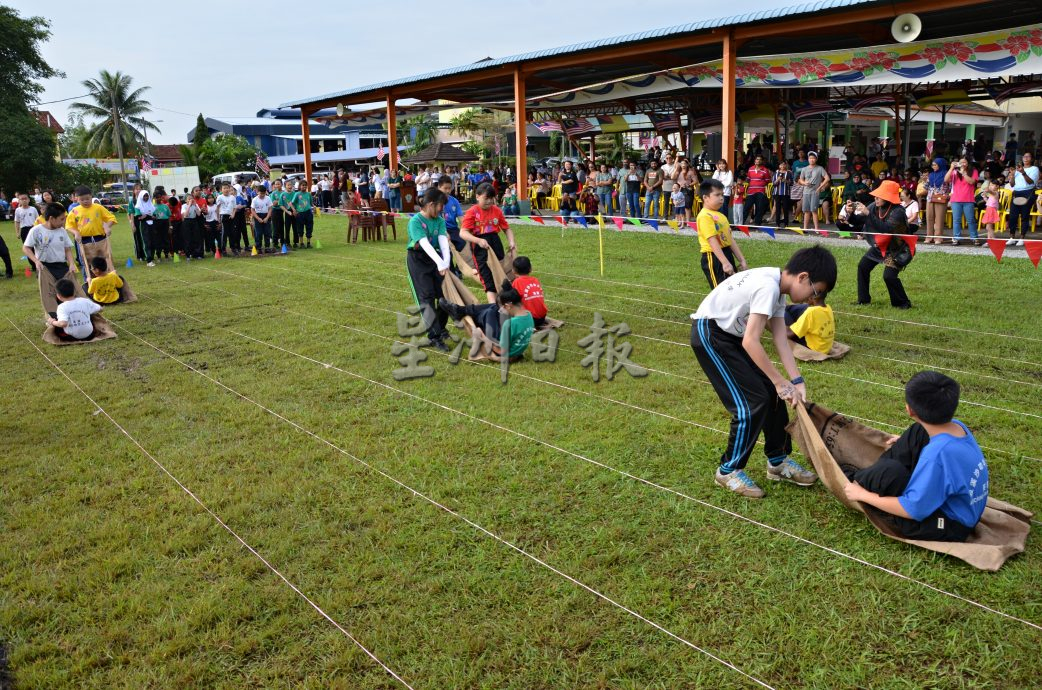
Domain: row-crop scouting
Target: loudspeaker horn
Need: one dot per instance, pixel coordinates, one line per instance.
(340, 106)
(906, 28)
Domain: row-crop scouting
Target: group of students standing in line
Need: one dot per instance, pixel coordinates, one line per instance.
(203, 222)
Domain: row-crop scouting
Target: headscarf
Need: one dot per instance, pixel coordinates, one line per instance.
(144, 205)
(937, 177)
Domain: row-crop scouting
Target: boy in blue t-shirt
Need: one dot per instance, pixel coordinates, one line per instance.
(932, 483)
(452, 212)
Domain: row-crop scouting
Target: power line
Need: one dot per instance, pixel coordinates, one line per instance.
(62, 100)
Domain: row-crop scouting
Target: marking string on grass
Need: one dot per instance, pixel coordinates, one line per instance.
(687, 345)
(597, 463)
(668, 342)
(423, 496)
(210, 512)
(613, 400)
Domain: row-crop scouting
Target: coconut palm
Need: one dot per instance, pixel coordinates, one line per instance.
(112, 91)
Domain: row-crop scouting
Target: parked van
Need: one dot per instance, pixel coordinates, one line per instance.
(245, 177)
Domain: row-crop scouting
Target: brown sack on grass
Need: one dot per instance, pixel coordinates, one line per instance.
(549, 323)
(828, 438)
(501, 270)
(102, 331)
(92, 249)
(838, 351)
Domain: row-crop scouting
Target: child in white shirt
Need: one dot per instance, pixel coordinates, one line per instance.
(73, 322)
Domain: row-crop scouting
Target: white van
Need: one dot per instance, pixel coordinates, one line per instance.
(245, 177)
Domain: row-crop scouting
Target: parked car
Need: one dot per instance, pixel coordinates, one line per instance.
(245, 177)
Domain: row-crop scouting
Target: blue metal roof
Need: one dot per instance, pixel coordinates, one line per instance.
(708, 24)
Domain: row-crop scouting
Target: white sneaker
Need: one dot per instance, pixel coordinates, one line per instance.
(151, 264)
(1020, 243)
(1011, 242)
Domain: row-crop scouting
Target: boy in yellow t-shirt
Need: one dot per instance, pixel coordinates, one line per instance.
(812, 324)
(91, 224)
(105, 286)
(718, 247)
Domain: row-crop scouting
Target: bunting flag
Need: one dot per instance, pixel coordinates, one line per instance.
(745, 229)
(769, 230)
(798, 231)
(665, 123)
(560, 219)
(600, 221)
(845, 234)
(1034, 250)
(997, 248)
(613, 124)
(582, 221)
(673, 225)
(527, 219)
(551, 126)
(693, 225)
(634, 221)
(883, 242)
(823, 233)
(618, 221)
(538, 220)
(653, 222)
(576, 126)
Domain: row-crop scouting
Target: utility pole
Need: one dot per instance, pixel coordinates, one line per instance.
(119, 150)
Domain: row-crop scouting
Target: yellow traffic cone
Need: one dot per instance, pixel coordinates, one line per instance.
(254, 252)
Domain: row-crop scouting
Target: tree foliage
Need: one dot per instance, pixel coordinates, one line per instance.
(22, 68)
(28, 147)
(417, 132)
(64, 178)
(113, 92)
(224, 153)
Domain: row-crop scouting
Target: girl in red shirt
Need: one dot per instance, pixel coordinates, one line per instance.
(480, 227)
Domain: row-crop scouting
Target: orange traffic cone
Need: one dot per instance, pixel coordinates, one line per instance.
(28, 272)
(216, 253)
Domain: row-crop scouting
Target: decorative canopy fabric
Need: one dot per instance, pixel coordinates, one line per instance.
(1008, 53)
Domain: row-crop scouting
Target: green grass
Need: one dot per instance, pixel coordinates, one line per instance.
(113, 577)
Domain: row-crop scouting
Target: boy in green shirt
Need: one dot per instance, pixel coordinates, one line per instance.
(278, 214)
(159, 240)
(303, 215)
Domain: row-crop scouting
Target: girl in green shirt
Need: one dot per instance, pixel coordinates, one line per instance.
(427, 260)
(278, 214)
(492, 339)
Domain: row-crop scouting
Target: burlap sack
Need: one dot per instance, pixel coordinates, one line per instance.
(838, 351)
(103, 330)
(829, 438)
(92, 249)
(501, 270)
(453, 289)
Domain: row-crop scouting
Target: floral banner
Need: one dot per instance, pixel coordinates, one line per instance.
(1007, 53)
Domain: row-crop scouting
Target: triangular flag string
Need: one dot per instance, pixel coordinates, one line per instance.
(582, 221)
(745, 229)
(538, 220)
(883, 242)
(912, 240)
(560, 219)
(653, 223)
(769, 230)
(674, 226)
(618, 222)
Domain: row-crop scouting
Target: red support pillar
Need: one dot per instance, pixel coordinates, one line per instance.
(728, 119)
(306, 130)
(520, 134)
(392, 135)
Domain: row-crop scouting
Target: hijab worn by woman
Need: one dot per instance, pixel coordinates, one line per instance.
(937, 176)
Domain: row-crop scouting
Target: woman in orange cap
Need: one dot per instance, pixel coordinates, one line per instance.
(884, 216)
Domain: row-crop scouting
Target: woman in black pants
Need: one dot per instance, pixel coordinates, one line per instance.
(884, 216)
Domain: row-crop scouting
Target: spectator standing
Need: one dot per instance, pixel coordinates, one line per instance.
(780, 190)
(1025, 180)
(724, 175)
(963, 180)
(668, 180)
(814, 179)
(759, 176)
(653, 179)
(937, 191)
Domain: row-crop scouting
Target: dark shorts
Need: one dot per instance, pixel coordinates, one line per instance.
(481, 259)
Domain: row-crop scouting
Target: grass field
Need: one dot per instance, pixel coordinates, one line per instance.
(550, 533)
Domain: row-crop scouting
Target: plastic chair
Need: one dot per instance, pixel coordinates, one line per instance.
(382, 221)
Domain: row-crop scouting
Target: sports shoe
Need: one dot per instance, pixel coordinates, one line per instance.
(1020, 243)
(151, 264)
(440, 345)
(791, 471)
(740, 483)
(1010, 242)
(455, 311)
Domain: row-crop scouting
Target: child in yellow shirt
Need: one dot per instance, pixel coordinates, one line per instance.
(105, 287)
(719, 249)
(812, 324)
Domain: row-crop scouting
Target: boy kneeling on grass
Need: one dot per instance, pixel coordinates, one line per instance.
(105, 286)
(932, 482)
(726, 335)
(812, 325)
(73, 322)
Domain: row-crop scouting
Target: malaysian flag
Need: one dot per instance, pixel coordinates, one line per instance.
(869, 101)
(808, 108)
(551, 126)
(576, 126)
(703, 119)
(380, 153)
(665, 123)
(262, 164)
(146, 166)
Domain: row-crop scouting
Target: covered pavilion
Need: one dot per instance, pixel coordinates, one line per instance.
(699, 69)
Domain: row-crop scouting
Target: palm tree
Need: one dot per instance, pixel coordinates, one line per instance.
(112, 96)
(425, 128)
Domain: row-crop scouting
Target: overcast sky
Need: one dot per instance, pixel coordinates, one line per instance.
(229, 59)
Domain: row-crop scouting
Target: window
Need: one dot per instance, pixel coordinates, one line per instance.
(371, 142)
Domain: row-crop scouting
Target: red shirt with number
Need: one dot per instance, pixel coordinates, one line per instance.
(531, 295)
(478, 221)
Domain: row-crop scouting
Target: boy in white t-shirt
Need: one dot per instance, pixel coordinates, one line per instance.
(726, 335)
(226, 210)
(260, 208)
(73, 322)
